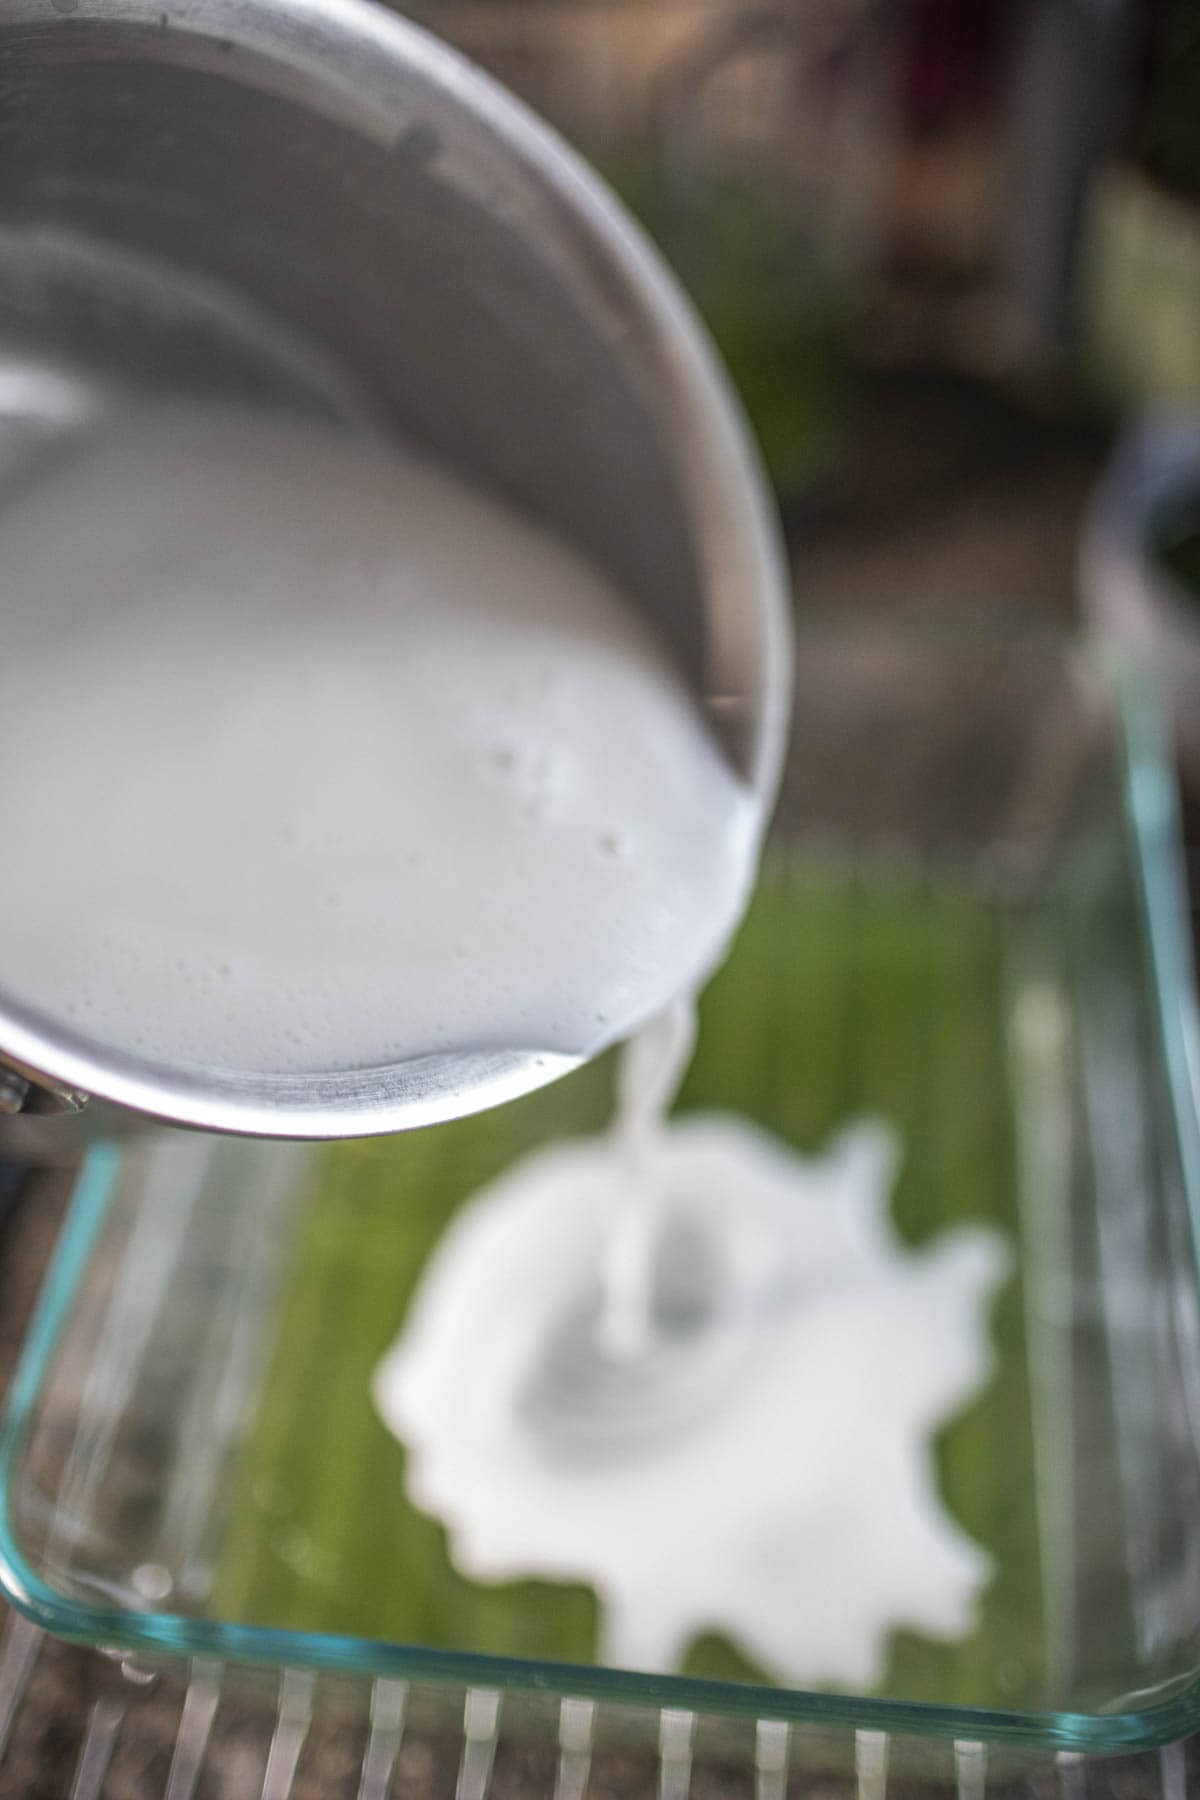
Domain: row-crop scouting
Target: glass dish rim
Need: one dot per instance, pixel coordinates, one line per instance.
(1150, 801)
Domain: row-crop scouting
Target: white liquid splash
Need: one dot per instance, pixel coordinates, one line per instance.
(699, 1371)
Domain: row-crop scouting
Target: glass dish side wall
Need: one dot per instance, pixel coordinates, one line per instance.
(999, 766)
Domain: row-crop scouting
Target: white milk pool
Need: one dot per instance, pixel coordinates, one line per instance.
(700, 1372)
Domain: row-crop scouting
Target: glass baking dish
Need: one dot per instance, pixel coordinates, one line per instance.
(972, 923)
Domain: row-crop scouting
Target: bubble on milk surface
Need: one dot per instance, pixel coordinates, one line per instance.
(341, 714)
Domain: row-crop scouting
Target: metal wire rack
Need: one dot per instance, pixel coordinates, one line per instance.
(213, 1732)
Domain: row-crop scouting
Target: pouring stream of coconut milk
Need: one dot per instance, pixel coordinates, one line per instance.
(321, 759)
(649, 1071)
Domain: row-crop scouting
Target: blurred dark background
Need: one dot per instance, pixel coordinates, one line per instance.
(945, 247)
